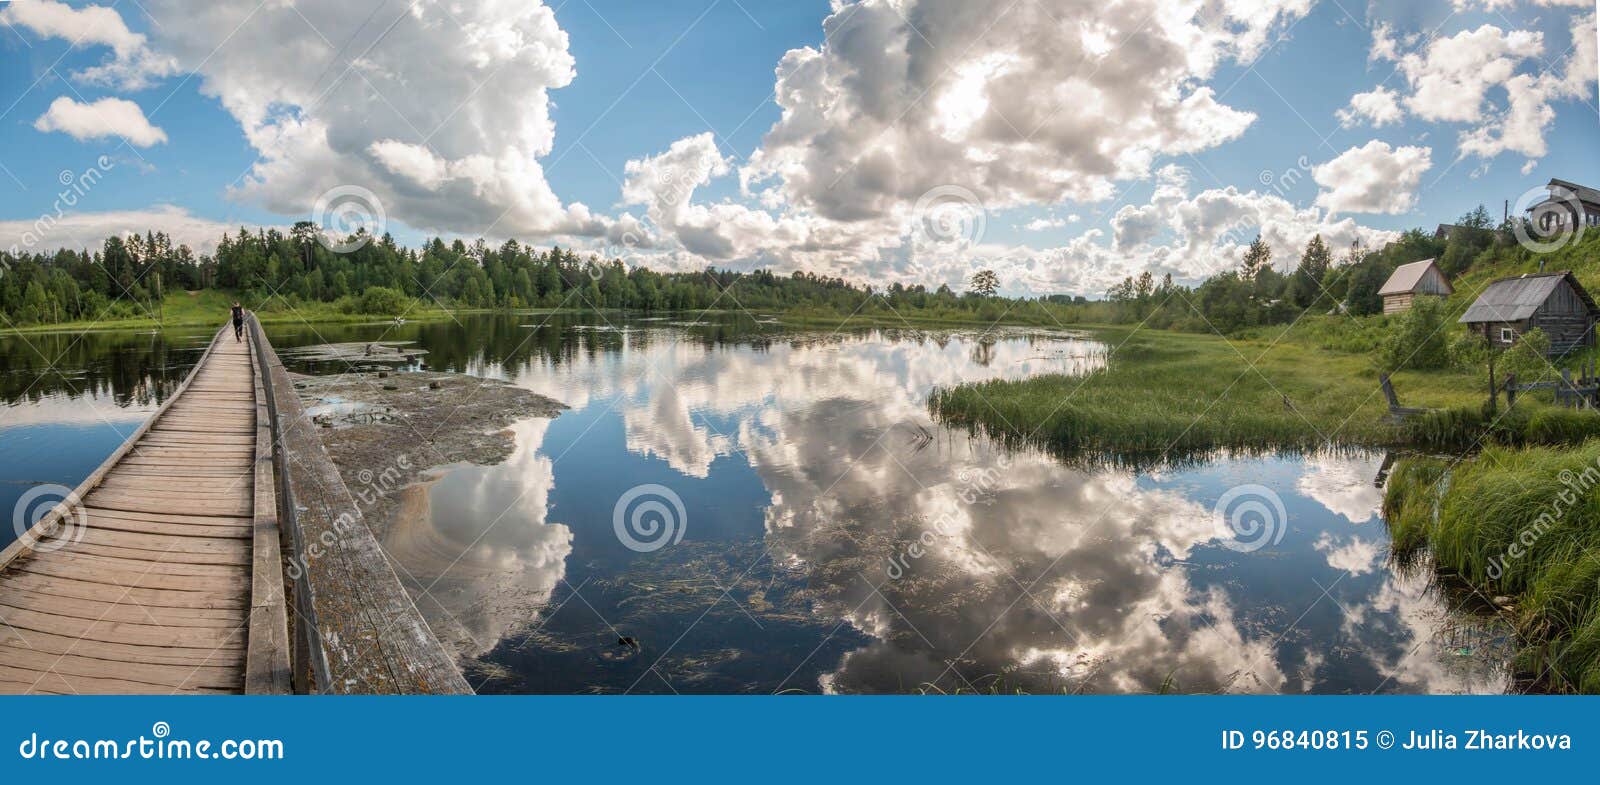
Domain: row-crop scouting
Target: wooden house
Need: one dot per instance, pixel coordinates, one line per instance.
(1569, 205)
(1553, 302)
(1411, 280)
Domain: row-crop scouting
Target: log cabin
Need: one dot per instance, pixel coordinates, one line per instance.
(1411, 280)
(1553, 302)
(1569, 206)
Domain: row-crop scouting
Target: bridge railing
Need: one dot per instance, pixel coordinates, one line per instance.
(309, 661)
(356, 629)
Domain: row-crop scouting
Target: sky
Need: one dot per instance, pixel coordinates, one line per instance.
(1064, 144)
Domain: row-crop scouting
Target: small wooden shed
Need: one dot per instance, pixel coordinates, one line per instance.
(1410, 280)
(1553, 302)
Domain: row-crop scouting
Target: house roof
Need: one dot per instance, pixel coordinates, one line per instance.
(1515, 299)
(1583, 192)
(1406, 277)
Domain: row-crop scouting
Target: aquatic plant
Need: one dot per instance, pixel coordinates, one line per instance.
(1521, 526)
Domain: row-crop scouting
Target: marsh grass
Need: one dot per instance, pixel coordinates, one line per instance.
(1522, 523)
(1163, 391)
(210, 308)
(1169, 394)
(1529, 423)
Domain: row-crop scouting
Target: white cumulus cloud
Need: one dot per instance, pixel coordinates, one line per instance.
(88, 230)
(904, 97)
(132, 64)
(102, 119)
(1460, 78)
(441, 109)
(1379, 107)
(1373, 178)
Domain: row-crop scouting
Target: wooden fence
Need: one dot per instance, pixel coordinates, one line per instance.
(1583, 391)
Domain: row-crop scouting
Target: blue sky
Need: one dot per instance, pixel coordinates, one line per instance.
(1128, 149)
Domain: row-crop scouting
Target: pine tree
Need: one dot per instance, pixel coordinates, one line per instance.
(1314, 264)
(1257, 258)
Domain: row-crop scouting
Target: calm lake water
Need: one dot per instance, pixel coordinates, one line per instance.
(832, 535)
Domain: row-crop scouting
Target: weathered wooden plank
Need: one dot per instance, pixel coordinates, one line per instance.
(192, 520)
(198, 488)
(85, 590)
(77, 685)
(198, 470)
(174, 557)
(136, 503)
(203, 491)
(217, 547)
(110, 524)
(96, 610)
(159, 678)
(121, 632)
(169, 569)
(156, 655)
(146, 575)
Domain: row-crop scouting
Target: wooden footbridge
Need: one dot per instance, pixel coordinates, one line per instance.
(216, 550)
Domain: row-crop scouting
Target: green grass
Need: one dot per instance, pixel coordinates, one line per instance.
(210, 307)
(1188, 392)
(1523, 523)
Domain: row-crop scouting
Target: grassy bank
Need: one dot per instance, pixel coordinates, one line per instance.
(210, 308)
(1189, 392)
(1307, 385)
(1521, 524)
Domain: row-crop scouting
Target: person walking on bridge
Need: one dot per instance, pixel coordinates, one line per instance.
(238, 322)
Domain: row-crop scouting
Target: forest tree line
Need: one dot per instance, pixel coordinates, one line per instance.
(268, 268)
(272, 269)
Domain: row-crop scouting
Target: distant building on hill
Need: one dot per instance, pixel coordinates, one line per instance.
(1411, 280)
(1553, 302)
(1567, 205)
